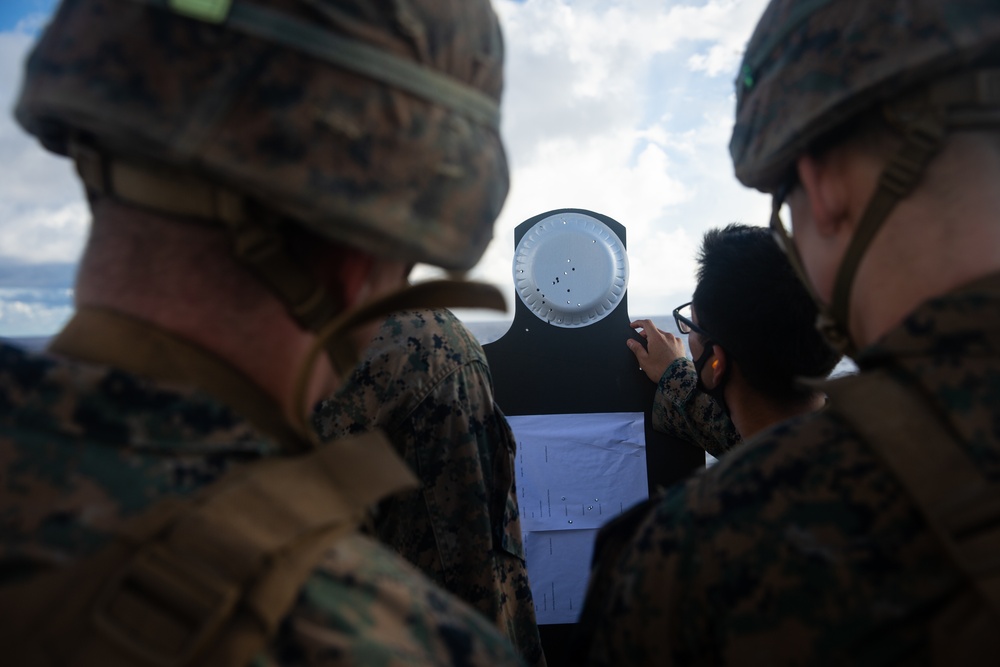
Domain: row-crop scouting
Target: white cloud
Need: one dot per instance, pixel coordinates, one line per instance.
(44, 233)
(43, 216)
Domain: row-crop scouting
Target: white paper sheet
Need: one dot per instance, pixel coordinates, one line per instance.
(574, 473)
(558, 566)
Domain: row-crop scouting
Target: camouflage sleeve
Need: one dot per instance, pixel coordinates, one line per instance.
(682, 411)
(366, 606)
(425, 382)
(462, 526)
(462, 451)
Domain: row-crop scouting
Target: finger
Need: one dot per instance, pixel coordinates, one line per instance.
(637, 349)
(640, 329)
(662, 335)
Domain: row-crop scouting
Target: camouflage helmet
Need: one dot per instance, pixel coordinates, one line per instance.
(374, 124)
(812, 65)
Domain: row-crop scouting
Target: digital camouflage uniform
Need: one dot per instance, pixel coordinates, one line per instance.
(800, 547)
(85, 447)
(681, 410)
(426, 383)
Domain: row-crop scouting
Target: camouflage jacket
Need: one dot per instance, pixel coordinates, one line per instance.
(425, 382)
(683, 411)
(84, 447)
(801, 547)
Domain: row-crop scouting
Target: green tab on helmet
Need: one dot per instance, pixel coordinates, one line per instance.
(210, 11)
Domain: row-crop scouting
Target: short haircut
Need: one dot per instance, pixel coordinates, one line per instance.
(752, 303)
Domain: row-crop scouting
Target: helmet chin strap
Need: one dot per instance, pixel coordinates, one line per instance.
(923, 139)
(969, 100)
(255, 233)
(335, 340)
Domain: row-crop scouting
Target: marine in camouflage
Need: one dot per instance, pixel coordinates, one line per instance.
(801, 547)
(683, 411)
(426, 383)
(85, 447)
(247, 122)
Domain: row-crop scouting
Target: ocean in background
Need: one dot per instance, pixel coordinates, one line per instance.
(29, 316)
(27, 312)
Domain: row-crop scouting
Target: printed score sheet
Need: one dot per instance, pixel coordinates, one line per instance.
(574, 473)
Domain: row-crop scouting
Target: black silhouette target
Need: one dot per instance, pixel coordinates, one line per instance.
(565, 351)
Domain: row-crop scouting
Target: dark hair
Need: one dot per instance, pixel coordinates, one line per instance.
(750, 299)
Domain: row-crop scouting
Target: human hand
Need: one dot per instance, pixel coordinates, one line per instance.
(662, 348)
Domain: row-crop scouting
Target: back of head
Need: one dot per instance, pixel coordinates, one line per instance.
(374, 125)
(750, 301)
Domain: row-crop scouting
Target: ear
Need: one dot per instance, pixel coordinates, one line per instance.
(824, 187)
(354, 273)
(717, 367)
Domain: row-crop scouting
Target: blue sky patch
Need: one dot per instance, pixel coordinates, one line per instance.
(19, 14)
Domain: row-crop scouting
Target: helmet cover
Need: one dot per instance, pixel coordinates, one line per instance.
(811, 65)
(349, 157)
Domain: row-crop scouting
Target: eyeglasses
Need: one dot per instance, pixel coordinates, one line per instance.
(682, 317)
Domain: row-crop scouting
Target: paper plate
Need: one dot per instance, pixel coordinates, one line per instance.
(570, 270)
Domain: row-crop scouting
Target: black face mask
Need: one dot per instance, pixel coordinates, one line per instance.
(717, 393)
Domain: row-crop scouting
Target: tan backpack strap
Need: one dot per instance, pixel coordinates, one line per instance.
(960, 505)
(203, 581)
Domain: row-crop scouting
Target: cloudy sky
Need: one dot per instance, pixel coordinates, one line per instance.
(620, 107)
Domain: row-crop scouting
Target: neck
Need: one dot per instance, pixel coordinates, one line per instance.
(181, 278)
(942, 236)
(751, 412)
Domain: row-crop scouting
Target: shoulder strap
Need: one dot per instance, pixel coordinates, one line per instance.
(960, 505)
(207, 580)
